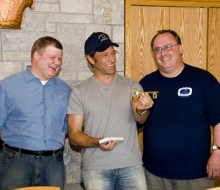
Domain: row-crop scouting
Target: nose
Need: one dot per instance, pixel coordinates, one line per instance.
(163, 51)
(112, 57)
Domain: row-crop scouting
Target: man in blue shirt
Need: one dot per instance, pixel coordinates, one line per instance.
(33, 106)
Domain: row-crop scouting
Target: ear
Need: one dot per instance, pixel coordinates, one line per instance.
(36, 55)
(181, 49)
(90, 60)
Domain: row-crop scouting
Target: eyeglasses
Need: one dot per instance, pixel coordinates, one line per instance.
(166, 48)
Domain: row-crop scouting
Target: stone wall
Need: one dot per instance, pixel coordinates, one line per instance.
(71, 22)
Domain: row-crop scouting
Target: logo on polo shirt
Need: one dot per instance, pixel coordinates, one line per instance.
(185, 92)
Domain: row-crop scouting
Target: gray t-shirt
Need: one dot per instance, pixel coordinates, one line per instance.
(107, 112)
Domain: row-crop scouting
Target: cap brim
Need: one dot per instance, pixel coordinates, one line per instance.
(105, 46)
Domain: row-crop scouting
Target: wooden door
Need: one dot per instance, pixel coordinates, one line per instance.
(197, 24)
(190, 23)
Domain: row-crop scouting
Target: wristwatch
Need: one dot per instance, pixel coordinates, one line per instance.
(215, 147)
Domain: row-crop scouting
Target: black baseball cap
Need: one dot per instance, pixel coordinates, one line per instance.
(98, 41)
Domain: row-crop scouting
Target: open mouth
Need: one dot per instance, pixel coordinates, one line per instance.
(53, 68)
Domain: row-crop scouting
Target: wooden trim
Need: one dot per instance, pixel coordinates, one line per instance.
(175, 3)
(127, 38)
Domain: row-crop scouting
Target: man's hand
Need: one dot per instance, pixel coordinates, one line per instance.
(108, 146)
(213, 165)
(145, 102)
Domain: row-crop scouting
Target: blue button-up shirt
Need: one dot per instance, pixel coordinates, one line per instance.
(32, 115)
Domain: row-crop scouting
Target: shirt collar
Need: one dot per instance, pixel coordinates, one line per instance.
(29, 76)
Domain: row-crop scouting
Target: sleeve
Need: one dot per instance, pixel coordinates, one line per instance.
(75, 106)
(137, 85)
(3, 107)
(213, 105)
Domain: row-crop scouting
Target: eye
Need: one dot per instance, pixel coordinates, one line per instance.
(157, 50)
(114, 53)
(52, 57)
(104, 55)
(168, 47)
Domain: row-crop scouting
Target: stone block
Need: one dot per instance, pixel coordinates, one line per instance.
(72, 36)
(51, 1)
(109, 12)
(78, 61)
(72, 161)
(25, 64)
(68, 18)
(33, 22)
(50, 27)
(11, 55)
(8, 68)
(97, 28)
(67, 76)
(46, 7)
(19, 41)
(76, 6)
(121, 73)
(118, 34)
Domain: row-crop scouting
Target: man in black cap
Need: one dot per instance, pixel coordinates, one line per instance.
(102, 106)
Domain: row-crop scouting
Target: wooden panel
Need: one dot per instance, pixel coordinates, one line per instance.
(142, 28)
(139, 58)
(191, 25)
(214, 42)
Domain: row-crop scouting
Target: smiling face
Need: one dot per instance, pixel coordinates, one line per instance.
(169, 62)
(47, 63)
(104, 63)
